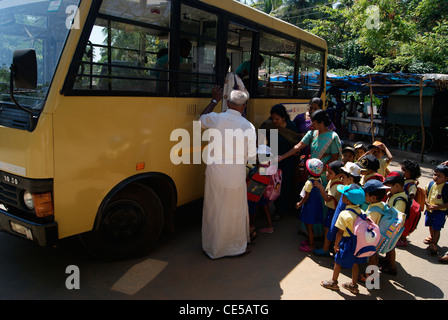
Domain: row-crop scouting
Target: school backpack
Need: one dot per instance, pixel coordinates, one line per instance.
(413, 214)
(272, 191)
(256, 186)
(376, 176)
(420, 195)
(391, 227)
(367, 235)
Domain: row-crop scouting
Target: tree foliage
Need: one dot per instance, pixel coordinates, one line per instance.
(378, 35)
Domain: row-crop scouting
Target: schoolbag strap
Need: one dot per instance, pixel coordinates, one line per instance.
(359, 215)
(399, 198)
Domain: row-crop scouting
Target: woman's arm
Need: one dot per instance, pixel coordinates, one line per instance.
(292, 151)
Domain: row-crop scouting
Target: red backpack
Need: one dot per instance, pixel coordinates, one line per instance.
(413, 214)
(420, 195)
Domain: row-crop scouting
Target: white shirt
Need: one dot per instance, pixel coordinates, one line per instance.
(233, 141)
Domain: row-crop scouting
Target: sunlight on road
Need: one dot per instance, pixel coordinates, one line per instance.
(139, 276)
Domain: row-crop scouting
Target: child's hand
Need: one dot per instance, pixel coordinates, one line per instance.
(336, 248)
(298, 205)
(317, 183)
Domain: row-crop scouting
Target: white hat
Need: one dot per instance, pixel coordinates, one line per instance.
(352, 169)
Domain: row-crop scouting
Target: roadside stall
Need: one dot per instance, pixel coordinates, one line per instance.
(413, 113)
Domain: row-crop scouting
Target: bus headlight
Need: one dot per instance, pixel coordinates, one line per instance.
(41, 203)
(28, 200)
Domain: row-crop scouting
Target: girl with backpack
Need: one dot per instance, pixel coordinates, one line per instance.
(311, 202)
(345, 243)
(411, 171)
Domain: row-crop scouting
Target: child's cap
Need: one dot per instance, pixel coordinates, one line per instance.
(314, 167)
(369, 162)
(352, 168)
(373, 185)
(360, 144)
(375, 144)
(335, 166)
(442, 169)
(354, 193)
(350, 149)
(394, 177)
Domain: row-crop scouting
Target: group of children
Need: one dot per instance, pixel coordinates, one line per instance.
(361, 183)
(365, 186)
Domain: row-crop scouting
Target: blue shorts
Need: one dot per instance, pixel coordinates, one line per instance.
(435, 219)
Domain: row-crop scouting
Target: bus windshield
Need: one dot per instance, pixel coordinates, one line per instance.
(41, 25)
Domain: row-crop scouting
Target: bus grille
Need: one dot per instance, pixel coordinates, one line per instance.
(9, 195)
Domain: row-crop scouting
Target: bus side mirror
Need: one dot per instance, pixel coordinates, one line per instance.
(24, 69)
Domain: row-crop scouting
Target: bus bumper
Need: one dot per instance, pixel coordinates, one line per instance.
(44, 234)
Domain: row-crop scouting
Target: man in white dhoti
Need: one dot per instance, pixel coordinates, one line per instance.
(225, 219)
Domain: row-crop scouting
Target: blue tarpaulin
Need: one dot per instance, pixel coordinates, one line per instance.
(386, 84)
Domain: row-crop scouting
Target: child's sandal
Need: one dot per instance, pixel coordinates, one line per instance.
(330, 284)
(432, 248)
(353, 288)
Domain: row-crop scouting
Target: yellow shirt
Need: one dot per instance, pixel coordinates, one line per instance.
(331, 189)
(399, 205)
(309, 184)
(347, 218)
(384, 163)
(435, 195)
(374, 215)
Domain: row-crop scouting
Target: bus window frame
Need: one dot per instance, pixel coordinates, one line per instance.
(224, 18)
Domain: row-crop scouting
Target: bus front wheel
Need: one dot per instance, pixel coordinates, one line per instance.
(128, 226)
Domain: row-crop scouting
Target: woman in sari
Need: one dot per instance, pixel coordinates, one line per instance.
(325, 146)
(324, 143)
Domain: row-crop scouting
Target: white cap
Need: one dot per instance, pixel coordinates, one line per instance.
(352, 169)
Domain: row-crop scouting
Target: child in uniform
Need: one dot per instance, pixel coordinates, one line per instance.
(331, 197)
(351, 174)
(375, 192)
(345, 244)
(397, 199)
(360, 149)
(369, 168)
(411, 172)
(384, 156)
(436, 206)
(312, 210)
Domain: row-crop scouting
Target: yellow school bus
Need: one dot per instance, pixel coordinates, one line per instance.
(91, 90)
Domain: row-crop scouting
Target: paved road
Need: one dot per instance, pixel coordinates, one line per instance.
(178, 269)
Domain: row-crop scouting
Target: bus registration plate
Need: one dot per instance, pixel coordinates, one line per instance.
(22, 230)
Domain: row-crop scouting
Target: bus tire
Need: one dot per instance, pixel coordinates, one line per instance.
(129, 225)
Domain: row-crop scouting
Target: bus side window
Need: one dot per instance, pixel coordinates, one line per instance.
(124, 57)
(197, 69)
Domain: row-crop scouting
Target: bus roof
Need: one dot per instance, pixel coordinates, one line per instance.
(264, 19)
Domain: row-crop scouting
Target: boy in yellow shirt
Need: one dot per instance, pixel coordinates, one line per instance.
(352, 196)
(375, 193)
(397, 199)
(436, 206)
